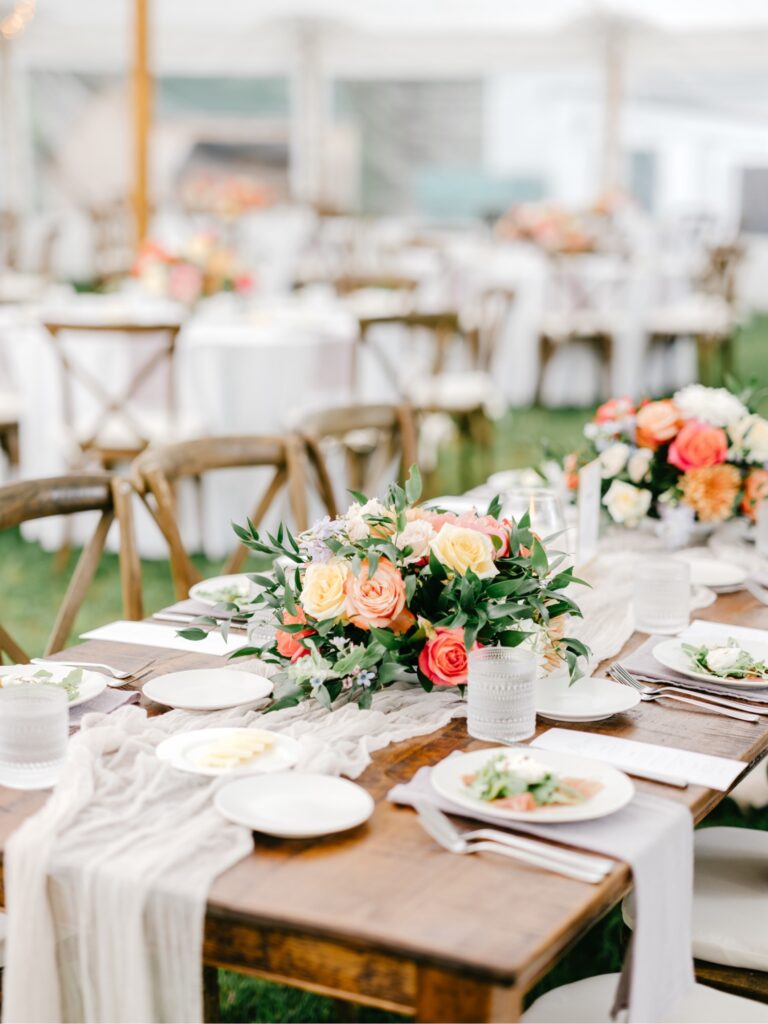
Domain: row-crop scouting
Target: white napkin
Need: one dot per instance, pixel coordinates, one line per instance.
(154, 635)
(108, 700)
(655, 837)
(701, 769)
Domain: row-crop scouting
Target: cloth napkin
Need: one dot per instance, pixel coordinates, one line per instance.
(641, 662)
(107, 701)
(154, 635)
(655, 837)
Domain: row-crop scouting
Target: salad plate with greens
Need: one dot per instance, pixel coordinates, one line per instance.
(80, 685)
(723, 660)
(528, 784)
(237, 589)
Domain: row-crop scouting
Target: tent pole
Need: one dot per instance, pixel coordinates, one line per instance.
(142, 116)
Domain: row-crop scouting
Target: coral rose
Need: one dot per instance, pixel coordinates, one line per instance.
(461, 549)
(376, 600)
(443, 659)
(490, 527)
(698, 445)
(614, 409)
(289, 644)
(657, 423)
(755, 490)
(711, 491)
(322, 592)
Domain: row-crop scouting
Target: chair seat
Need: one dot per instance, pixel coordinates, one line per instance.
(455, 392)
(579, 323)
(589, 1002)
(730, 898)
(10, 408)
(698, 315)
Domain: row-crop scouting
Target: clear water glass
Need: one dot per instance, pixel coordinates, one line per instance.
(662, 595)
(501, 694)
(543, 505)
(34, 729)
(761, 529)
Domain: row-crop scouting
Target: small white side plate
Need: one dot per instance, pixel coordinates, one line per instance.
(234, 589)
(617, 790)
(185, 751)
(670, 654)
(295, 805)
(207, 689)
(586, 700)
(91, 685)
(712, 572)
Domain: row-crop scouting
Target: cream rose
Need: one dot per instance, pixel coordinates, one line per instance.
(417, 535)
(638, 465)
(750, 437)
(625, 503)
(613, 459)
(461, 549)
(323, 595)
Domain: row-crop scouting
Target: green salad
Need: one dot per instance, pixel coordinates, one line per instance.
(519, 782)
(70, 683)
(234, 593)
(727, 661)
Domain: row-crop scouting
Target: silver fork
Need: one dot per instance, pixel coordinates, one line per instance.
(711, 698)
(617, 673)
(570, 858)
(116, 673)
(453, 845)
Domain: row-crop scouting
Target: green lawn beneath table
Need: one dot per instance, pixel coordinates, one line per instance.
(32, 589)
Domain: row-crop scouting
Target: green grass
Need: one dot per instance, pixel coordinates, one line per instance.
(32, 588)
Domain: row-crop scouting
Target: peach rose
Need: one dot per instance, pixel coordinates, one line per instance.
(656, 423)
(289, 644)
(614, 409)
(697, 445)
(377, 601)
(435, 519)
(571, 471)
(490, 527)
(755, 489)
(443, 659)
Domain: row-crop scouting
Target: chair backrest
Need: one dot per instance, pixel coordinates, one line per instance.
(443, 328)
(153, 365)
(372, 438)
(155, 472)
(348, 283)
(490, 317)
(66, 495)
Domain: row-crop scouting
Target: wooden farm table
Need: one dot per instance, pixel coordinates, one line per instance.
(382, 916)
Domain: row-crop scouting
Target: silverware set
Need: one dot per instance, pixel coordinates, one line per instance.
(714, 705)
(579, 866)
(119, 675)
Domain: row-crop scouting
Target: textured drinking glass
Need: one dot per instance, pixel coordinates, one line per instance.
(501, 694)
(34, 728)
(761, 537)
(543, 505)
(662, 595)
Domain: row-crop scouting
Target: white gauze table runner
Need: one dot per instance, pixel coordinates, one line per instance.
(106, 885)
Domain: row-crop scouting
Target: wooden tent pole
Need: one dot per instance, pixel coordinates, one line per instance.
(142, 116)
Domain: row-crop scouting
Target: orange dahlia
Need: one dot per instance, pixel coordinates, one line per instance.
(711, 491)
(755, 489)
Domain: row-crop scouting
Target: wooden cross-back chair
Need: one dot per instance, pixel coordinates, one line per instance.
(65, 495)
(346, 284)
(155, 473)
(158, 360)
(371, 436)
(490, 315)
(442, 327)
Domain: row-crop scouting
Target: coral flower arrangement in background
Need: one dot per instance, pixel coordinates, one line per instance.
(700, 456)
(392, 590)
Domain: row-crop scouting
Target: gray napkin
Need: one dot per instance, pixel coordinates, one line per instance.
(655, 837)
(641, 663)
(108, 700)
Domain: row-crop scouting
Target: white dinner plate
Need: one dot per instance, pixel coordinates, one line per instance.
(234, 589)
(186, 750)
(586, 700)
(91, 685)
(714, 573)
(448, 779)
(670, 654)
(207, 689)
(295, 805)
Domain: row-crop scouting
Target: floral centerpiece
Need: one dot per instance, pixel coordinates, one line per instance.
(391, 589)
(700, 456)
(224, 195)
(203, 267)
(551, 227)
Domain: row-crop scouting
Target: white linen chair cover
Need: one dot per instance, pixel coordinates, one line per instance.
(730, 898)
(589, 1002)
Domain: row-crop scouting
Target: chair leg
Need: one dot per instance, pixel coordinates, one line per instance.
(546, 351)
(211, 1005)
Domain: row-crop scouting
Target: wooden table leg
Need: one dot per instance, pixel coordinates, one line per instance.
(211, 1005)
(446, 998)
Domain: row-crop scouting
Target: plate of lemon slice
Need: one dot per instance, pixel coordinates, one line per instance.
(226, 751)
